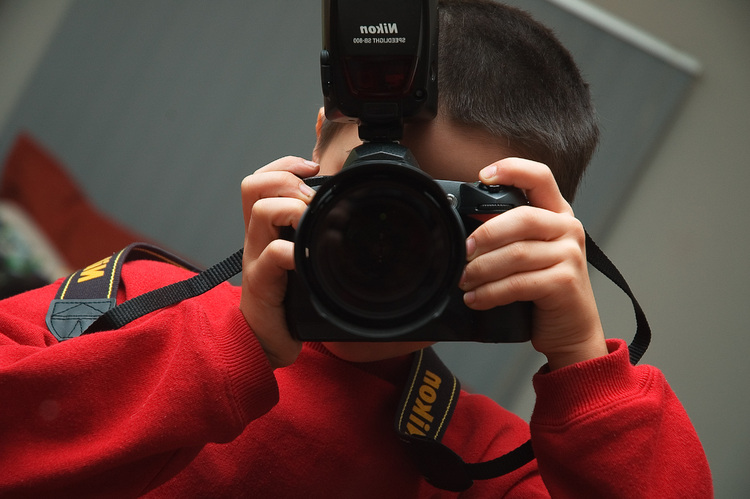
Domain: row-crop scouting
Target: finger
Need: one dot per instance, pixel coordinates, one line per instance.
(519, 257)
(266, 275)
(524, 223)
(272, 184)
(534, 178)
(265, 219)
(542, 286)
(264, 286)
(294, 164)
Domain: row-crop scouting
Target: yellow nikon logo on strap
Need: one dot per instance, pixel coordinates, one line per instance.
(421, 417)
(94, 271)
(428, 400)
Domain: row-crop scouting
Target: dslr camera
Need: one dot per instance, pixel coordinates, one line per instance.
(381, 248)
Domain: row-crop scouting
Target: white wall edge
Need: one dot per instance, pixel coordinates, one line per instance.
(631, 34)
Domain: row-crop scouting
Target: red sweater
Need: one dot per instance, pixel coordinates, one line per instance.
(183, 403)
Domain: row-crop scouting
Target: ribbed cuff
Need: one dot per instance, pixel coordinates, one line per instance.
(250, 374)
(568, 393)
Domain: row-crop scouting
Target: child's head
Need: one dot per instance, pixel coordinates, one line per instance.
(505, 78)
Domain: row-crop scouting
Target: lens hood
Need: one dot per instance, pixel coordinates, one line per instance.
(380, 246)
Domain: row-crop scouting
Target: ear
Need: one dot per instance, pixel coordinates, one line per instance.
(318, 126)
(319, 122)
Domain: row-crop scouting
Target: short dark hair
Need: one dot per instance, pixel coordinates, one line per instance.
(501, 71)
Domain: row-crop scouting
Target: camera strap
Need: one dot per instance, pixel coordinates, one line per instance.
(86, 303)
(426, 406)
(86, 300)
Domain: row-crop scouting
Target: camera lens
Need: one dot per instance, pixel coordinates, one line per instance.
(381, 247)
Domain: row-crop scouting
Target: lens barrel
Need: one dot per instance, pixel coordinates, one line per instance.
(379, 248)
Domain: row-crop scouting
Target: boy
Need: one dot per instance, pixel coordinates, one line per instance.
(210, 399)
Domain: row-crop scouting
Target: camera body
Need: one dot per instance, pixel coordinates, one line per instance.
(380, 250)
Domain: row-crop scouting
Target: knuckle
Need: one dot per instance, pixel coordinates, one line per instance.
(261, 210)
(570, 250)
(279, 249)
(279, 164)
(517, 253)
(576, 228)
(248, 184)
(483, 232)
(564, 277)
(247, 181)
(523, 213)
(500, 293)
(546, 173)
(528, 217)
(541, 172)
(517, 285)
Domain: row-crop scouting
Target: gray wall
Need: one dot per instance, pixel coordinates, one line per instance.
(679, 235)
(159, 109)
(683, 238)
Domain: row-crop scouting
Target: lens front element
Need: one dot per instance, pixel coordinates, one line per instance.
(381, 248)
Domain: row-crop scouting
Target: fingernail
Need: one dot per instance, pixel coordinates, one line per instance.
(462, 280)
(306, 189)
(470, 297)
(471, 246)
(311, 164)
(488, 172)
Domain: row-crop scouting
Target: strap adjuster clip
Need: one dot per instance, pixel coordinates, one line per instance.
(69, 318)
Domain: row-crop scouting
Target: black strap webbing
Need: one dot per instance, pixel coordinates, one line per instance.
(426, 406)
(88, 294)
(168, 295)
(603, 264)
(85, 303)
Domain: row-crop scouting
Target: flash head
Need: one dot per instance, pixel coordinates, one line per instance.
(379, 64)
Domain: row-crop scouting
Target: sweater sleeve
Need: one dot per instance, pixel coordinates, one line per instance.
(121, 410)
(605, 428)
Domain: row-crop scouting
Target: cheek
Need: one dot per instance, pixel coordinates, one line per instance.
(331, 162)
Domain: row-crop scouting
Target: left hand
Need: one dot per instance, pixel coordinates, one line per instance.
(274, 196)
(536, 253)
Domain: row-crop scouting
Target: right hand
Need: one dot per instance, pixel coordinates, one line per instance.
(274, 196)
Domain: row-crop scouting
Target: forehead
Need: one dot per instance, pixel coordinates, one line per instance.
(442, 149)
(453, 152)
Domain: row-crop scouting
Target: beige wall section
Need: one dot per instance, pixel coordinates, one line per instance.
(683, 239)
